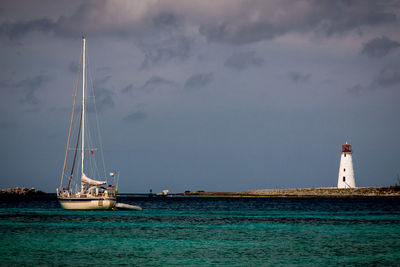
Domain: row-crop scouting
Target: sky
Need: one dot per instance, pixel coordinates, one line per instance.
(224, 95)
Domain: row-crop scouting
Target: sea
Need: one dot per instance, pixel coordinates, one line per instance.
(204, 231)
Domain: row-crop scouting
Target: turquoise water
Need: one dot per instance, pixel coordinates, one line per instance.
(204, 232)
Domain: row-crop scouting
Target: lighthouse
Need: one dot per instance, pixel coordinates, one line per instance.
(346, 171)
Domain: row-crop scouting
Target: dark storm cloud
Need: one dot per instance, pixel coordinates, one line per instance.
(321, 17)
(28, 87)
(92, 17)
(135, 116)
(18, 29)
(166, 20)
(164, 51)
(389, 76)
(243, 22)
(379, 47)
(297, 77)
(199, 80)
(100, 18)
(244, 60)
(342, 16)
(247, 33)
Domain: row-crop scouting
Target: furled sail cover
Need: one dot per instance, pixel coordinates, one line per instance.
(87, 180)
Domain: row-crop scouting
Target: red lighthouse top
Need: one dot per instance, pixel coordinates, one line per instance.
(346, 148)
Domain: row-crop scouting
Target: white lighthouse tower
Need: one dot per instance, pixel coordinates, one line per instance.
(346, 171)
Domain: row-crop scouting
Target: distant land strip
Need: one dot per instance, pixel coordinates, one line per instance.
(392, 191)
(20, 193)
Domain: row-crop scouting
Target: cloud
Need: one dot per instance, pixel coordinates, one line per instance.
(244, 60)
(100, 18)
(104, 100)
(388, 76)
(229, 21)
(128, 89)
(156, 82)
(73, 67)
(199, 80)
(297, 77)
(379, 47)
(29, 88)
(18, 29)
(355, 90)
(153, 83)
(104, 97)
(135, 116)
(252, 21)
(101, 81)
(164, 51)
(167, 20)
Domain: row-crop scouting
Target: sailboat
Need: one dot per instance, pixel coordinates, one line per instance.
(88, 193)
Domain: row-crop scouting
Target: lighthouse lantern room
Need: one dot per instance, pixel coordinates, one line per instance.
(346, 171)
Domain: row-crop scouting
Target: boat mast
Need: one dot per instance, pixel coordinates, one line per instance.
(83, 102)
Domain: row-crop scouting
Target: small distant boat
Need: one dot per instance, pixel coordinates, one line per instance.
(88, 193)
(163, 193)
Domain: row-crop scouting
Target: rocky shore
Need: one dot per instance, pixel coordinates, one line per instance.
(392, 191)
(20, 192)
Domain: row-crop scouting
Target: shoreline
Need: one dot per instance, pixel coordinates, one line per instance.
(20, 193)
(392, 191)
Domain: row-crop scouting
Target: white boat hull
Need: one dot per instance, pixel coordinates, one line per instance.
(106, 203)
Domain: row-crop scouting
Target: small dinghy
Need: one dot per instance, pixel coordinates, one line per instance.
(124, 206)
